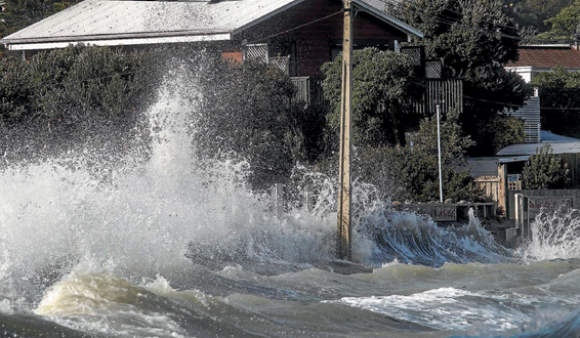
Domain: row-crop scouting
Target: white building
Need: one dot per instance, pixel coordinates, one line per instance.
(533, 61)
(543, 58)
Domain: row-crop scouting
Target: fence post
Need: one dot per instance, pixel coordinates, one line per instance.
(277, 195)
(526, 208)
(307, 197)
(518, 198)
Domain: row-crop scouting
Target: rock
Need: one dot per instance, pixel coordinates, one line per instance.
(462, 202)
(449, 201)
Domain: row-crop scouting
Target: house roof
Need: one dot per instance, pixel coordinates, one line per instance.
(488, 166)
(482, 166)
(102, 22)
(548, 136)
(547, 56)
(530, 149)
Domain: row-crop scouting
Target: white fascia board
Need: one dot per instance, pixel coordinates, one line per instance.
(120, 42)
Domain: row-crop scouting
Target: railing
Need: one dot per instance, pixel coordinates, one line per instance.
(302, 85)
(309, 90)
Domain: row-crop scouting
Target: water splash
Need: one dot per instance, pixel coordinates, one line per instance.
(555, 235)
(412, 238)
(70, 238)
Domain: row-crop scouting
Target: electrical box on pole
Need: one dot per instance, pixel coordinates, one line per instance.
(344, 196)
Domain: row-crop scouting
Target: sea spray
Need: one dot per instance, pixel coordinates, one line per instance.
(555, 235)
(167, 248)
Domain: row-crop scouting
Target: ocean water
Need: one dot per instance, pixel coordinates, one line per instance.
(170, 250)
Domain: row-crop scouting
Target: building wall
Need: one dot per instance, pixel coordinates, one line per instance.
(530, 113)
(314, 41)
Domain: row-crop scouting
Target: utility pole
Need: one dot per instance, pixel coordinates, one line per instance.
(344, 197)
(438, 108)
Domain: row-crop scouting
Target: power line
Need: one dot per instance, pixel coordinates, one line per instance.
(297, 27)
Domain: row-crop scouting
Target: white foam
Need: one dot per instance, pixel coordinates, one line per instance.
(6, 307)
(446, 309)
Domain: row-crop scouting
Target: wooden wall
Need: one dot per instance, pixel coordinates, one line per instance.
(313, 42)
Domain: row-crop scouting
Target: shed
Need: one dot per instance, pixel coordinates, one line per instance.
(567, 148)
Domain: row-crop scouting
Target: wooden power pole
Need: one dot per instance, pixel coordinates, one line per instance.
(344, 221)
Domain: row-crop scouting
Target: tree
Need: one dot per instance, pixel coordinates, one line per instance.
(474, 39)
(18, 14)
(416, 169)
(565, 25)
(559, 90)
(75, 96)
(382, 89)
(246, 112)
(544, 171)
(503, 130)
(534, 13)
(16, 91)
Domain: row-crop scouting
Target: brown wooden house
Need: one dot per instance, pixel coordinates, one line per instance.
(296, 35)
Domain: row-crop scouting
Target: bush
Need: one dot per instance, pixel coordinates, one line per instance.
(501, 131)
(544, 171)
(16, 91)
(71, 97)
(381, 96)
(246, 110)
(416, 166)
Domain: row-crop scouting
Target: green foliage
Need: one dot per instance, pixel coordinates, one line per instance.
(503, 130)
(474, 41)
(76, 83)
(98, 82)
(544, 171)
(534, 13)
(246, 110)
(415, 167)
(75, 95)
(16, 90)
(18, 14)
(381, 93)
(564, 25)
(560, 89)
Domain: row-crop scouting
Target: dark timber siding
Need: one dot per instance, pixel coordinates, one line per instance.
(314, 42)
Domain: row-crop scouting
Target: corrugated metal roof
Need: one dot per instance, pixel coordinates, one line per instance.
(530, 149)
(482, 167)
(488, 166)
(551, 137)
(106, 20)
